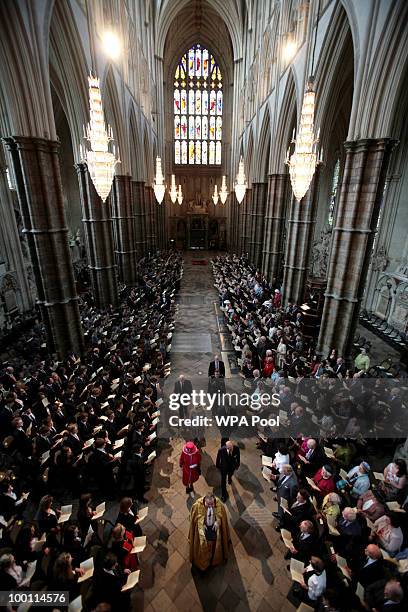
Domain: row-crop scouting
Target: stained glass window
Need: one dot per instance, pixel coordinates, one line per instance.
(198, 106)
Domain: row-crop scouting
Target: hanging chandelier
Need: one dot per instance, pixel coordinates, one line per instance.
(302, 163)
(159, 187)
(179, 195)
(173, 189)
(223, 190)
(100, 161)
(241, 184)
(215, 195)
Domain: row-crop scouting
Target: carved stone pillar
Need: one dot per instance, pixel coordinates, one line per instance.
(150, 203)
(259, 222)
(97, 222)
(39, 189)
(302, 218)
(124, 220)
(272, 254)
(234, 220)
(257, 202)
(353, 234)
(10, 241)
(160, 215)
(138, 196)
(245, 207)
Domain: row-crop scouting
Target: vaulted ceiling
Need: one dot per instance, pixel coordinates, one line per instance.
(213, 19)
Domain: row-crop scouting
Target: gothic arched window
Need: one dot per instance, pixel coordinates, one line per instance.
(198, 105)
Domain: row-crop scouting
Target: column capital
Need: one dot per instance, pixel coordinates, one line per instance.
(30, 143)
(122, 177)
(365, 144)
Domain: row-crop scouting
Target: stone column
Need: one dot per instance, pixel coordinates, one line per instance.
(39, 190)
(259, 222)
(253, 218)
(302, 218)
(97, 222)
(11, 244)
(150, 219)
(154, 213)
(234, 220)
(272, 254)
(160, 213)
(353, 235)
(124, 220)
(137, 194)
(245, 207)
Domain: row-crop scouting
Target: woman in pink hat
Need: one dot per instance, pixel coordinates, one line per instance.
(190, 460)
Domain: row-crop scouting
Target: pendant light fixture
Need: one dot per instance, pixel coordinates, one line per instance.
(216, 195)
(159, 187)
(173, 189)
(223, 190)
(179, 195)
(240, 184)
(302, 163)
(100, 160)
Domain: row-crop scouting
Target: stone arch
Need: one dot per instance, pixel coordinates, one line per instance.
(135, 146)
(248, 156)
(385, 297)
(385, 79)
(334, 80)
(114, 116)
(149, 162)
(26, 98)
(287, 120)
(231, 15)
(68, 71)
(264, 147)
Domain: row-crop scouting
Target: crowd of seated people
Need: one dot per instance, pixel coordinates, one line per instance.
(343, 523)
(79, 432)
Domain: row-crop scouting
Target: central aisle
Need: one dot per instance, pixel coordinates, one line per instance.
(255, 577)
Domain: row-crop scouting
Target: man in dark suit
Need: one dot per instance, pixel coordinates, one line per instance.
(216, 376)
(108, 581)
(228, 460)
(386, 597)
(183, 386)
(22, 443)
(314, 457)
(216, 366)
(287, 487)
(305, 543)
(72, 440)
(101, 466)
(372, 568)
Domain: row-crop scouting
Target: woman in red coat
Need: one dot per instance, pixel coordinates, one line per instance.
(190, 460)
(324, 480)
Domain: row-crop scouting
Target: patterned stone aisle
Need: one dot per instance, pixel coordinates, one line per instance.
(255, 577)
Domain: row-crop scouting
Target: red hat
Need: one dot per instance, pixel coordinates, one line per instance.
(190, 447)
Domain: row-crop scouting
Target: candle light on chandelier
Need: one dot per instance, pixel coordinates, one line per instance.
(304, 159)
(241, 184)
(100, 161)
(173, 189)
(215, 195)
(159, 187)
(223, 190)
(179, 195)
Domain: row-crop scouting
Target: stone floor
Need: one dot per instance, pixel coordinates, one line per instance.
(255, 577)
